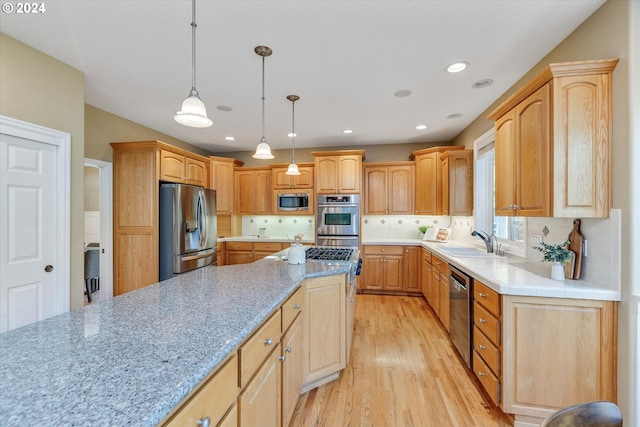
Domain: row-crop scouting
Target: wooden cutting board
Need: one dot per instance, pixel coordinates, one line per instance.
(575, 245)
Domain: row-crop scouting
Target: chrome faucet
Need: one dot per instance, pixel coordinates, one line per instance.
(488, 240)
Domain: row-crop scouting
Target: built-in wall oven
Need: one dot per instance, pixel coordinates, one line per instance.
(338, 220)
(461, 315)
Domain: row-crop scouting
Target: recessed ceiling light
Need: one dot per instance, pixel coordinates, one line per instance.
(224, 108)
(420, 127)
(347, 131)
(292, 134)
(229, 138)
(456, 67)
(454, 116)
(402, 93)
(482, 83)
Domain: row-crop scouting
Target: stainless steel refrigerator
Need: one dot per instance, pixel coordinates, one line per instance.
(188, 228)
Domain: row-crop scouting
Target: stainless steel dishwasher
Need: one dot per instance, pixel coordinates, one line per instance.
(461, 316)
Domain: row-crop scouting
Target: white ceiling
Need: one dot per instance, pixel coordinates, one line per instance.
(345, 59)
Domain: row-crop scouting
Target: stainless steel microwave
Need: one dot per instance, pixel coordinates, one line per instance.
(287, 202)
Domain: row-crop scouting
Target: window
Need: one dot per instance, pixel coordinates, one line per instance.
(510, 231)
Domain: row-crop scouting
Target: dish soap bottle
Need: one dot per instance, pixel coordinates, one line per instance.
(296, 253)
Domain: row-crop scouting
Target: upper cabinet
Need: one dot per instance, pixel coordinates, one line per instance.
(553, 143)
(253, 191)
(221, 180)
(338, 172)
(282, 181)
(457, 183)
(429, 180)
(388, 188)
(176, 166)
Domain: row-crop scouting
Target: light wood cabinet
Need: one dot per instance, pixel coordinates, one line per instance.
(440, 289)
(259, 403)
(338, 172)
(282, 181)
(137, 172)
(553, 143)
(426, 277)
(291, 356)
(557, 352)
(412, 273)
(428, 179)
(383, 268)
(221, 179)
(388, 188)
(183, 169)
(212, 400)
(324, 329)
(247, 252)
(253, 191)
(457, 183)
(487, 340)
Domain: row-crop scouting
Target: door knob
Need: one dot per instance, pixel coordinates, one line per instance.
(48, 268)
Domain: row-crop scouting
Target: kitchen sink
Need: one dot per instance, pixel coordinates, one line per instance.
(467, 253)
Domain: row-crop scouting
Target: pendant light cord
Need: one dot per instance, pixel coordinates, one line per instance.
(263, 138)
(193, 45)
(293, 132)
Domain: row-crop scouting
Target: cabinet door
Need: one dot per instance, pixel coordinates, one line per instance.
(400, 183)
(373, 277)
(326, 173)
(238, 257)
(244, 192)
(262, 193)
(435, 290)
(196, 172)
(460, 182)
(533, 134)
(445, 187)
(280, 178)
(426, 275)
(349, 174)
(222, 182)
(172, 166)
(259, 404)
(505, 164)
(375, 190)
(427, 184)
(291, 369)
(393, 272)
(444, 313)
(305, 179)
(412, 269)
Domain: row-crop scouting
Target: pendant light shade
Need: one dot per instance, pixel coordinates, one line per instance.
(193, 112)
(293, 168)
(263, 151)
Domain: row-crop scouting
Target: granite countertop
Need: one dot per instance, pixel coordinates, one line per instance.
(132, 359)
(511, 275)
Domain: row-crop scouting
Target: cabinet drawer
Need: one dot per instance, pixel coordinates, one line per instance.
(213, 399)
(488, 380)
(238, 246)
(487, 350)
(486, 296)
(291, 308)
(267, 246)
(489, 325)
(426, 255)
(439, 264)
(257, 348)
(382, 250)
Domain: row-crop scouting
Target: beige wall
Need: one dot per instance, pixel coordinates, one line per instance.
(604, 35)
(102, 127)
(91, 188)
(39, 89)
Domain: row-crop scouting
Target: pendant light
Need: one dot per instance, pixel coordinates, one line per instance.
(263, 151)
(293, 168)
(193, 112)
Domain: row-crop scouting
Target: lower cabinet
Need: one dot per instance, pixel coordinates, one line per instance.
(411, 275)
(391, 268)
(247, 252)
(259, 402)
(440, 289)
(291, 356)
(324, 329)
(426, 275)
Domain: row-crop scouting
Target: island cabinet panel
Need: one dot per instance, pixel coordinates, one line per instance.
(557, 352)
(553, 140)
(254, 351)
(324, 329)
(260, 402)
(291, 356)
(212, 400)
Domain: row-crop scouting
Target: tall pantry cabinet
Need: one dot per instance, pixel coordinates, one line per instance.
(553, 143)
(138, 168)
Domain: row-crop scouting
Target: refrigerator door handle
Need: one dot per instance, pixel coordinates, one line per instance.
(202, 215)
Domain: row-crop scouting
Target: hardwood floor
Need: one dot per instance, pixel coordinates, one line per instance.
(403, 372)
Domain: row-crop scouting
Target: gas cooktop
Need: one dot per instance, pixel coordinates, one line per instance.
(329, 253)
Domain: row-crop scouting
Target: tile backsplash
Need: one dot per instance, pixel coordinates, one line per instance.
(406, 226)
(280, 225)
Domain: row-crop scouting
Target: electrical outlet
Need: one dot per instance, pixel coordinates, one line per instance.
(584, 248)
(536, 239)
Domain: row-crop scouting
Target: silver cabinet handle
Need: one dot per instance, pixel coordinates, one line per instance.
(481, 320)
(268, 341)
(296, 306)
(481, 347)
(204, 422)
(288, 349)
(282, 358)
(481, 374)
(481, 295)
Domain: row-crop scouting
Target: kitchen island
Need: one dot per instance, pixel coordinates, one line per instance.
(133, 359)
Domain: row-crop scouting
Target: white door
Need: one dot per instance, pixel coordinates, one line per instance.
(32, 261)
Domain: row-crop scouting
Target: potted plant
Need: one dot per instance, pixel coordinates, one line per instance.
(423, 229)
(558, 255)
